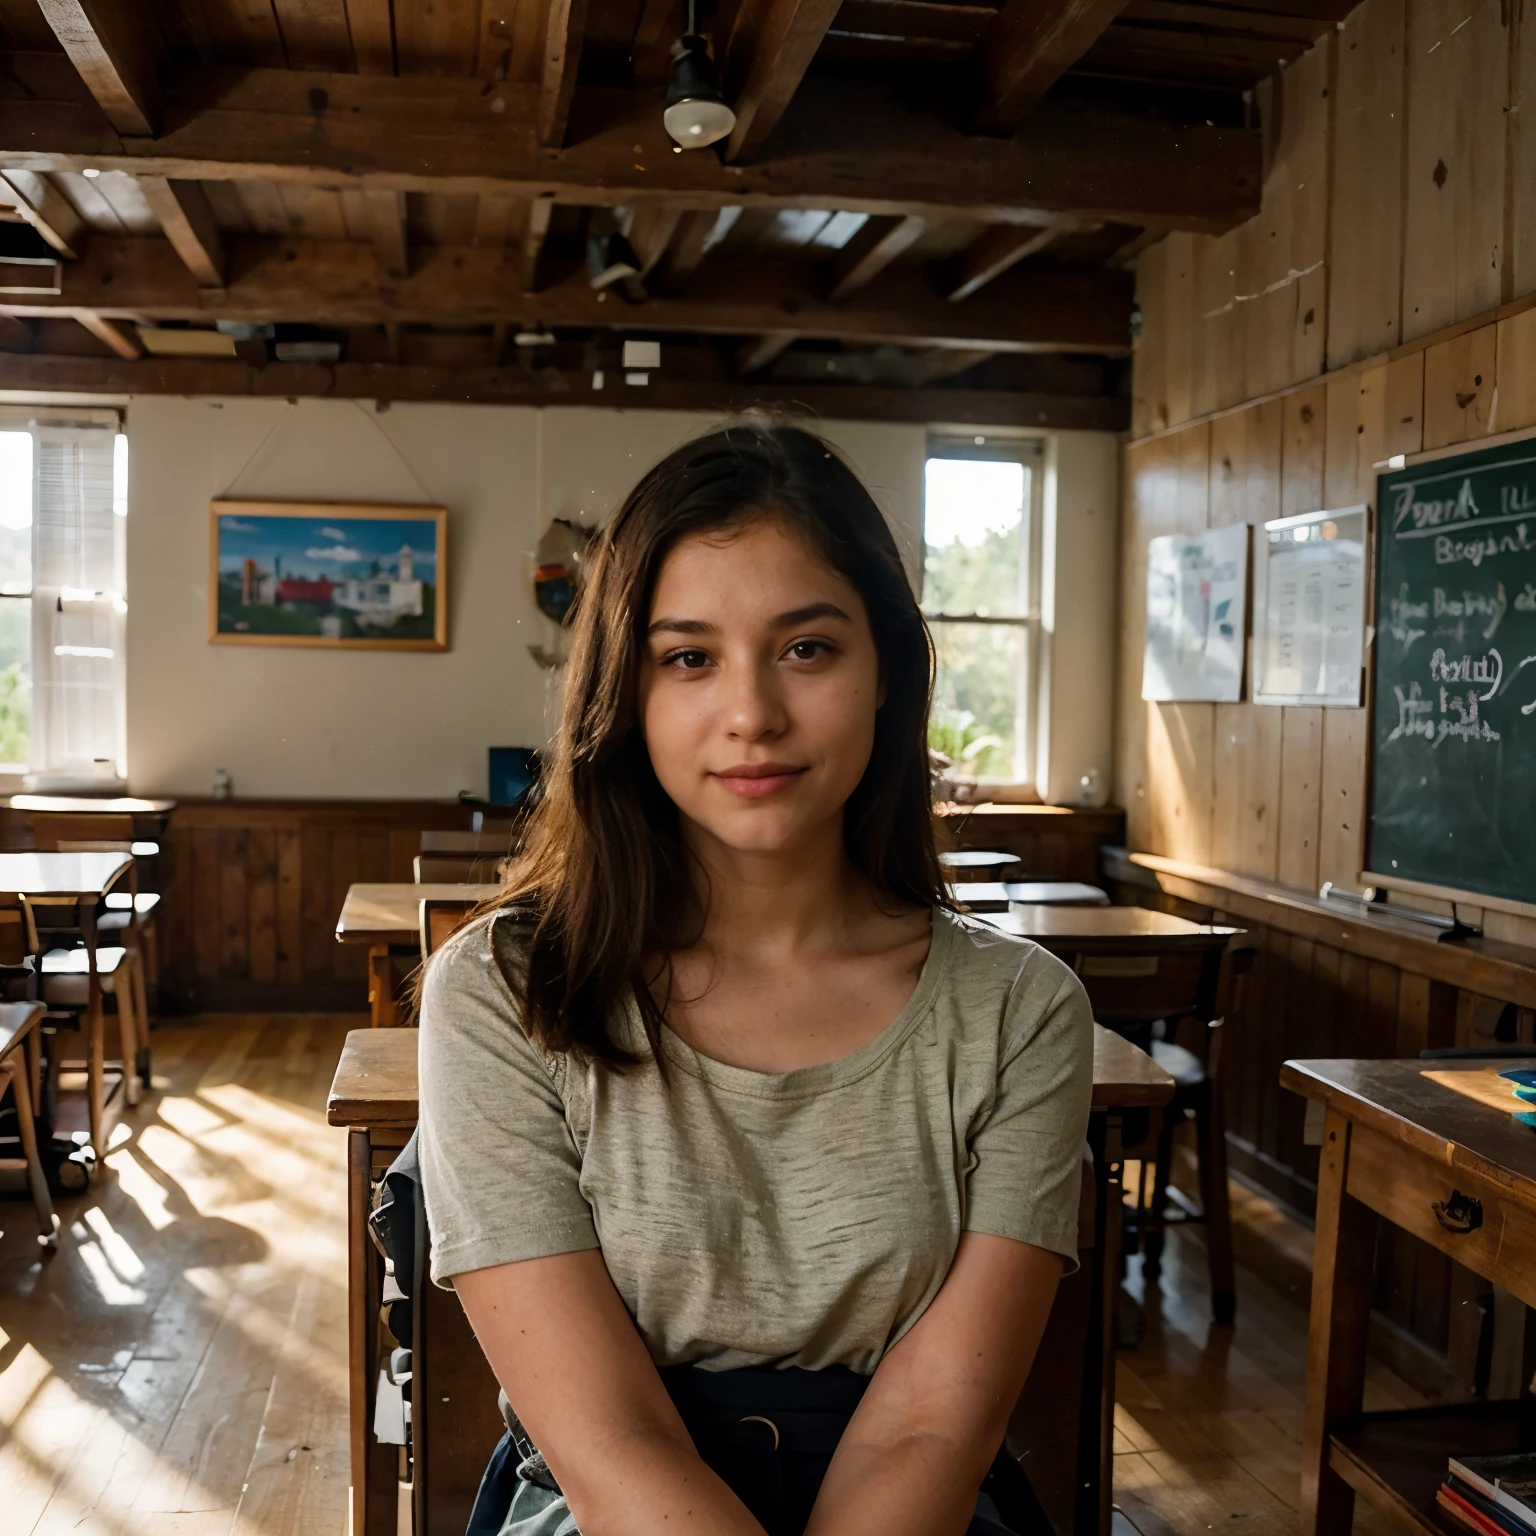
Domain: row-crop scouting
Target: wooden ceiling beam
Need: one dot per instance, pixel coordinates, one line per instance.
(188, 220)
(841, 145)
(386, 219)
(991, 254)
(760, 354)
(108, 331)
(116, 46)
(46, 209)
(15, 335)
(535, 231)
(1030, 45)
(871, 251)
(564, 23)
(781, 51)
(945, 362)
(339, 283)
(514, 386)
(684, 251)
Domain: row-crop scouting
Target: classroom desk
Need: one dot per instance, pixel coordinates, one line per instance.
(374, 1097)
(1431, 1146)
(87, 805)
(1081, 928)
(1002, 895)
(61, 874)
(386, 916)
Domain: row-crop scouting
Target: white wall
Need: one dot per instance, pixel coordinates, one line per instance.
(1077, 601)
(299, 722)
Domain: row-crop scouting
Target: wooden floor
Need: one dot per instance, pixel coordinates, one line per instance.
(179, 1367)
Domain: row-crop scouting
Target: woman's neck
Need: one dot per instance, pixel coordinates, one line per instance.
(779, 904)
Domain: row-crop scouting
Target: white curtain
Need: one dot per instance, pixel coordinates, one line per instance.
(78, 607)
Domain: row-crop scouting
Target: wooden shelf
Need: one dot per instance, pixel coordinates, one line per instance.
(1397, 1461)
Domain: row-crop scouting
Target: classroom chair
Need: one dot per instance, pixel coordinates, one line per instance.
(129, 916)
(19, 1053)
(440, 920)
(75, 975)
(1172, 1003)
(458, 868)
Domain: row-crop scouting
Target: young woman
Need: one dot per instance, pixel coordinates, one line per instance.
(754, 1167)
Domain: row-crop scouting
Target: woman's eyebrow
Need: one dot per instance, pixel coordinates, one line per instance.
(809, 612)
(682, 627)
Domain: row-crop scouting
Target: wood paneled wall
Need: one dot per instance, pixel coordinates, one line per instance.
(1383, 302)
(252, 890)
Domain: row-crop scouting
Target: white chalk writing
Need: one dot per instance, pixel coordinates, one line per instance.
(1452, 551)
(1402, 611)
(1487, 669)
(1467, 726)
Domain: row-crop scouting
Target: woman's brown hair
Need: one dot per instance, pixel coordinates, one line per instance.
(604, 883)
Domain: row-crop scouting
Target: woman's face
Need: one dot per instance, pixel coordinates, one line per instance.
(758, 687)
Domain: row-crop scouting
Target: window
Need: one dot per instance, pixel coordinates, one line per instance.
(981, 533)
(63, 501)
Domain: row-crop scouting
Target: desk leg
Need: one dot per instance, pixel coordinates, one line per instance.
(1342, 1273)
(375, 1467)
(381, 987)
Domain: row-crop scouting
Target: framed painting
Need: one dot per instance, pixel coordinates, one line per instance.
(329, 574)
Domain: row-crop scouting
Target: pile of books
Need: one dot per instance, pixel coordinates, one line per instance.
(1492, 1495)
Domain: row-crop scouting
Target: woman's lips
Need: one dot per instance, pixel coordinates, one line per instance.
(757, 781)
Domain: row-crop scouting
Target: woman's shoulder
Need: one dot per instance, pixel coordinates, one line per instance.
(468, 983)
(1007, 978)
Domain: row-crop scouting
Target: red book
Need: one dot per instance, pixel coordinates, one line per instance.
(1450, 1500)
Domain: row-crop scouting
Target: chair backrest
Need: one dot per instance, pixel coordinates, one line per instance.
(457, 869)
(1136, 984)
(440, 920)
(494, 839)
(51, 828)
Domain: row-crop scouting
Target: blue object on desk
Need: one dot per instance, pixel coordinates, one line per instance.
(514, 772)
(1521, 1077)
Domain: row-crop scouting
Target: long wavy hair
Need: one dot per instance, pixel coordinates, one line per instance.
(603, 884)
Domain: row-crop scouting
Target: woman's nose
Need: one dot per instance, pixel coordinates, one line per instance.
(754, 707)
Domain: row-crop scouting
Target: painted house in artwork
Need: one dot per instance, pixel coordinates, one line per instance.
(380, 600)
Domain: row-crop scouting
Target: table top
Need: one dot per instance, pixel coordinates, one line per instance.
(1461, 1113)
(375, 1082)
(60, 874)
(1055, 926)
(391, 914)
(84, 805)
(976, 894)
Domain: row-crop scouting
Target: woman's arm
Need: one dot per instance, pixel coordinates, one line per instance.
(567, 1354)
(914, 1455)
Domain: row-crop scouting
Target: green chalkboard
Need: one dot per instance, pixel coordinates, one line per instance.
(1453, 730)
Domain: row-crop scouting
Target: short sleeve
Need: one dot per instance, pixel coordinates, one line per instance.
(499, 1165)
(1026, 1155)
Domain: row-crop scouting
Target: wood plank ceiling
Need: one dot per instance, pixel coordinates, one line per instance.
(925, 209)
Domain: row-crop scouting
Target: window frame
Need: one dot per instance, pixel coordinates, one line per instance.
(1030, 451)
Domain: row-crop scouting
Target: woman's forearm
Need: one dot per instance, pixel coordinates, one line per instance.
(644, 1482)
(924, 1485)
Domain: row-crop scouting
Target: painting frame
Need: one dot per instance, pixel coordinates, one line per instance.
(332, 511)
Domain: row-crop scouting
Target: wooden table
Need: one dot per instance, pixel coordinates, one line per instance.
(87, 805)
(1433, 1147)
(1002, 895)
(1079, 928)
(80, 875)
(374, 1096)
(387, 917)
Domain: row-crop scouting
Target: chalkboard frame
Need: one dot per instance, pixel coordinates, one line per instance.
(1389, 470)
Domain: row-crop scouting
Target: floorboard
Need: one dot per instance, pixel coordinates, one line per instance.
(178, 1368)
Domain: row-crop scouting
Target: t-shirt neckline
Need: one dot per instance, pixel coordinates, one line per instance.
(803, 1082)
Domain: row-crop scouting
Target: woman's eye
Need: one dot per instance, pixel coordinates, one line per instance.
(808, 650)
(687, 661)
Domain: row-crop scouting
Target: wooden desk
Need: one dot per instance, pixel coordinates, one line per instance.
(61, 874)
(374, 1096)
(1399, 1139)
(1080, 928)
(1002, 895)
(87, 805)
(389, 916)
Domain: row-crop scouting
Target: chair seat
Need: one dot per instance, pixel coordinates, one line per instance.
(122, 902)
(15, 1020)
(1184, 1067)
(66, 978)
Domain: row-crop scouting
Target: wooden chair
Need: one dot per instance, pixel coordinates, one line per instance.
(458, 868)
(19, 1052)
(75, 974)
(494, 840)
(1171, 1002)
(440, 920)
(129, 915)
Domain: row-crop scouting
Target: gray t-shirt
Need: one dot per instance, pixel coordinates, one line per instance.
(747, 1218)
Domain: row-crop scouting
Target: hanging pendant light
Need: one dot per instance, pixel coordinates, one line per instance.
(696, 112)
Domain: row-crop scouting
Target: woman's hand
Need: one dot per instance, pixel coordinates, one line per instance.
(567, 1354)
(913, 1457)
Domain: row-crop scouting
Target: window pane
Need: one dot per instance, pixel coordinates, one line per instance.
(15, 681)
(15, 512)
(978, 718)
(976, 557)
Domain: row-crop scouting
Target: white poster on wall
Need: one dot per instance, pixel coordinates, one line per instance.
(1309, 609)
(1197, 600)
